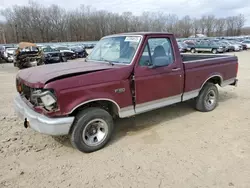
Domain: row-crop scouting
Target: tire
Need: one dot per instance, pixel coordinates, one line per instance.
(64, 59)
(20, 66)
(83, 126)
(207, 99)
(40, 63)
(193, 50)
(214, 51)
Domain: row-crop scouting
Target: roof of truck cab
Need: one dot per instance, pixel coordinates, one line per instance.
(142, 33)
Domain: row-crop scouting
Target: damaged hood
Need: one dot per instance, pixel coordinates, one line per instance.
(38, 76)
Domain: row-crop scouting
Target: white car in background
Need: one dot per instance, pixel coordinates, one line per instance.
(9, 54)
(246, 42)
(237, 47)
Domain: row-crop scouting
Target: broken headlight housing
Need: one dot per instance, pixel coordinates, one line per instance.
(45, 98)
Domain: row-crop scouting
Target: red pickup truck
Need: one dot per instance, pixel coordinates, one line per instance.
(125, 74)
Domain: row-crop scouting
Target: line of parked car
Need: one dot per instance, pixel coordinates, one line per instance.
(57, 52)
(213, 45)
(51, 54)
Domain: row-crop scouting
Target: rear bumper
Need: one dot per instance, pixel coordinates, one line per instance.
(235, 83)
(41, 123)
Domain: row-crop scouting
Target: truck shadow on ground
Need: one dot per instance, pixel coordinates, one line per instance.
(148, 120)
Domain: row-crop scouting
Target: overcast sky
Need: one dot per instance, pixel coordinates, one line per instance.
(194, 8)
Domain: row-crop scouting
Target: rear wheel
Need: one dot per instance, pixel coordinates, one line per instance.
(208, 98)
(214, 51)
(193, 50)
(91, 130)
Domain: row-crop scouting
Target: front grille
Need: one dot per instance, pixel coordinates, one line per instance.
(26, 92)
(54, 55)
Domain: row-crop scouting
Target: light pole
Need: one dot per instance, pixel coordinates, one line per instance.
(17, 37)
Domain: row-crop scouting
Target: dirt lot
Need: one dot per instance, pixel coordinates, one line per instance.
(171, 147)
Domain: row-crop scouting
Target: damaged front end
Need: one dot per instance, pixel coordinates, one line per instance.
(28, 55)
(42, 98)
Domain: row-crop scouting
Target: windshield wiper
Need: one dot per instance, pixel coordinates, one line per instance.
(110, 62)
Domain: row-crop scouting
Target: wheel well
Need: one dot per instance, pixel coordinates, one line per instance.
(214, 80)
(109, 106)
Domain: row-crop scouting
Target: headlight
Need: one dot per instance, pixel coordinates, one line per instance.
(46, 98)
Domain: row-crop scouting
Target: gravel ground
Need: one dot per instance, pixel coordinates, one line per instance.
(171, 147)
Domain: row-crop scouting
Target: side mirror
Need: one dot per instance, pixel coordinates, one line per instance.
(148, 63)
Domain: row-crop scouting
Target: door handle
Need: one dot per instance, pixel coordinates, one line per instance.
(176, 69)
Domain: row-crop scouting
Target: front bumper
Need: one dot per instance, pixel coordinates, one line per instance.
(236, 49)
(52, 60)
(11, 58)
(41, 123)
(220, 50)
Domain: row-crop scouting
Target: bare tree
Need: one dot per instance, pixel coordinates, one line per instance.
(240, 22)
(185, 26)
(37, 23)
(220, 26)
(209, 23)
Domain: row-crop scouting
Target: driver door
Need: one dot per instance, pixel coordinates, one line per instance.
(159, 86)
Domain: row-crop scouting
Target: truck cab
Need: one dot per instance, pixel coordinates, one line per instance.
(125, 75)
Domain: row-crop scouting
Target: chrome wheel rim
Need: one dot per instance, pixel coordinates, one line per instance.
(210, 99)
(95, 132)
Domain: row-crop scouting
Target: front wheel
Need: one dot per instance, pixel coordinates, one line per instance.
(63, 59)
(91, 130)
(208, 98)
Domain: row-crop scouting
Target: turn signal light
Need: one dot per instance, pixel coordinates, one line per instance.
(19, 87)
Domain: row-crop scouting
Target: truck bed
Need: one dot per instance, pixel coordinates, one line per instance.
(200, 68)
(186, 58)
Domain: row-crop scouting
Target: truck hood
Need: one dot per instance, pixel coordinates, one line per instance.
(37, 77)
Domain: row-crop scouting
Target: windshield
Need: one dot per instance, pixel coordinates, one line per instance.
(48, 49)
(76, 47)
(214, 43)
(117, 49)
(10, 49)
(62, 48)
(179, 44)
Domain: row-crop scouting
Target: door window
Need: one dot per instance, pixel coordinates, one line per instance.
(157, 51)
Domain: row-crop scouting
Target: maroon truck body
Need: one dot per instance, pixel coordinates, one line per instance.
(130, 89)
